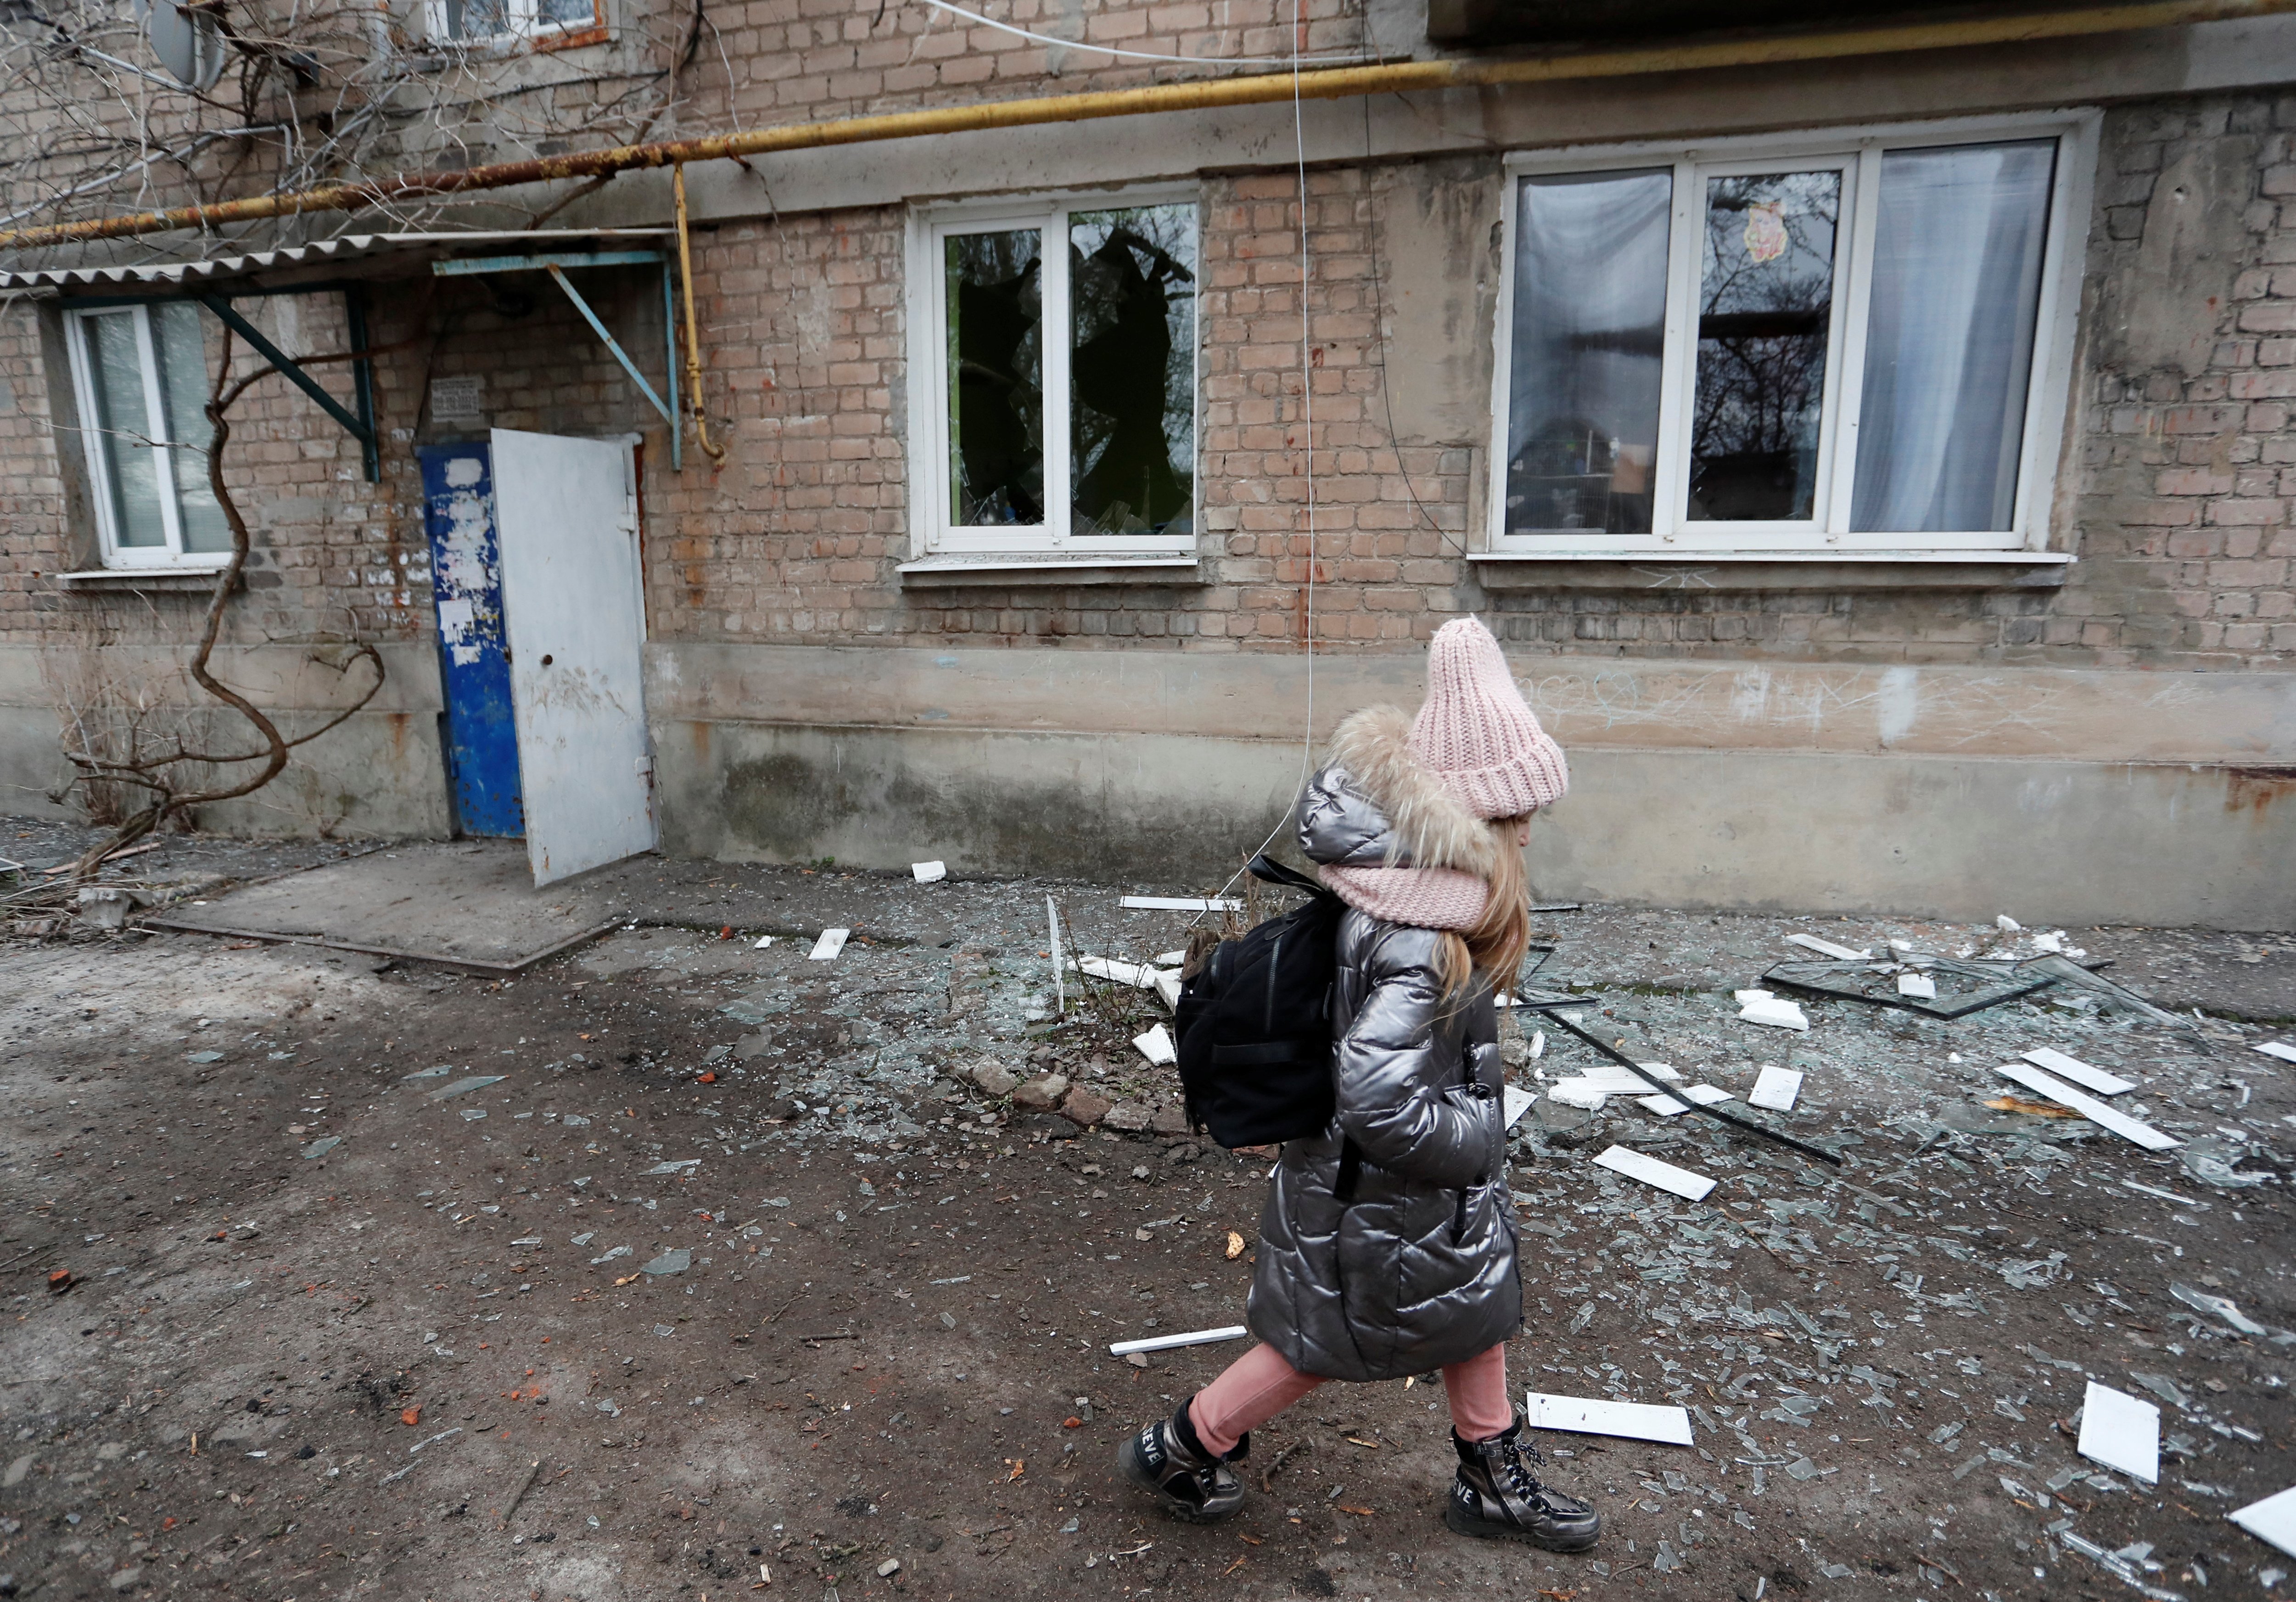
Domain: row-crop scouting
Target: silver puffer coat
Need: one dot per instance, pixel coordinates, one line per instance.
(1387, 1245)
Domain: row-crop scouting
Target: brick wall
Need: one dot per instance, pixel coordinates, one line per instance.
(331, 555)
(2181, 473)
(2188, 463)
(801, 61)
(2176, 494)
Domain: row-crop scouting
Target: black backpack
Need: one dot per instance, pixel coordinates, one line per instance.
(1254, 1023)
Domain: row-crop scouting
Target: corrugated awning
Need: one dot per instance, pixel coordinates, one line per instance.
(367, 255)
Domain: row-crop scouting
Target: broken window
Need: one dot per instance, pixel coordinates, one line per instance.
(142, 381)
(1829, 345)
(1132, 290)
(996, 377)
(1765, 315)
(1063, 345)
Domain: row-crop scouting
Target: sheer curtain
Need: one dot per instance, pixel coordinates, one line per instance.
(1589, 332)
(1949, 338)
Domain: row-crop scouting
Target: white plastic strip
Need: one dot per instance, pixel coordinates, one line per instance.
(2286, 1053)
(1649, 1170)
(2120, 1431)
(1136, 974)
(1195, 1337)
(1594, 1416)
(1776, 1012)
(1775, 1088)
(2089, 1107)
(2072, 1068)
(1672, 1107)
(1181, 904)
(2272, 1520)
(832, 941)
(1826, 948)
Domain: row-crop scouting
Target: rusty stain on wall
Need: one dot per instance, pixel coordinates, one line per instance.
(2255, 789)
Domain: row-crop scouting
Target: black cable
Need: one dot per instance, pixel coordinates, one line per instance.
(1627, 1063)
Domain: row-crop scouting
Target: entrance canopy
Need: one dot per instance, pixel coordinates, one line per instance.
(349, 262)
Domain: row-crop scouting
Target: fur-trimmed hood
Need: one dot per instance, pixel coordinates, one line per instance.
(1377, 805)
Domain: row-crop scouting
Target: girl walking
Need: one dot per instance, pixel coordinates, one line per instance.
(1387, 1245)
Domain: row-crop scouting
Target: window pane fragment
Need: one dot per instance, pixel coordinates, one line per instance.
(477, 19)
(995, 379)
(124, 429)
(1766, 306)
(1589, 332)
(1949, 337)
(1132, 289)
(184, 385)
(566, 13)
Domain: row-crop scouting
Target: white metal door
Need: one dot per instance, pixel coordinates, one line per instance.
(566, 514)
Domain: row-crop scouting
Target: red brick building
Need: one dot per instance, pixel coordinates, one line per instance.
(1879, 467)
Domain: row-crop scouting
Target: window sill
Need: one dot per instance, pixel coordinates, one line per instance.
(1010, 573)
(1772, 570)
(149, 579)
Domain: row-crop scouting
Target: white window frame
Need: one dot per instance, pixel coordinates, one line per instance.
(931, 531)
(1859, 152)
(115, 555)
(523, 27)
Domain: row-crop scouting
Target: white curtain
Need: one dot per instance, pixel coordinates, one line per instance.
(1590, 304)
(1949, 337)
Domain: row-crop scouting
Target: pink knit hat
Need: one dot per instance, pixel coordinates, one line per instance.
(1476, 732)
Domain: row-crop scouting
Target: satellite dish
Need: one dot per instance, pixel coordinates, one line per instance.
(189, 44)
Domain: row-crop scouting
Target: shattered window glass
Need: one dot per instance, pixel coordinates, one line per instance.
(1766, 310)
(996, 378)
(1132, 292)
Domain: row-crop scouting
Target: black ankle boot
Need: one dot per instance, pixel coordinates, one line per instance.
(1167, 1458)
(1496, 1496)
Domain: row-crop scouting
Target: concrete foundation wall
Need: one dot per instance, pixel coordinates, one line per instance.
(382, 773)
(1944, 791)
(2068, 843)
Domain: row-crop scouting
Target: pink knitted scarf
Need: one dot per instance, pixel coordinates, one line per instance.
(1423, 898)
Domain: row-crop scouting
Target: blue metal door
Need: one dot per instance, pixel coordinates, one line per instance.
(473, 649)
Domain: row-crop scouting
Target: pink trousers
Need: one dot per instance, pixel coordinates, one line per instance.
(1259, 1384)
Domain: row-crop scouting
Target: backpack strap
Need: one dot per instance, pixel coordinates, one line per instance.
(1272, 871)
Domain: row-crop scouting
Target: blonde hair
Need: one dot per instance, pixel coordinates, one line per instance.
(1496, 943)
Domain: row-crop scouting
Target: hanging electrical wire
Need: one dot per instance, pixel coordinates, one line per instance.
(1292, 60)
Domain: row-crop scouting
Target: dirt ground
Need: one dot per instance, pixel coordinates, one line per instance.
(726, 1280)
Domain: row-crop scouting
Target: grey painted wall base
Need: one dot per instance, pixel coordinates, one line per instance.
(2047, 842)
(380, 775)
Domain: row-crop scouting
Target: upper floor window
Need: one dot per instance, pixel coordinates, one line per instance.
(1826, 343)
(476, 21)
(1052, 377)
(140, 374)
